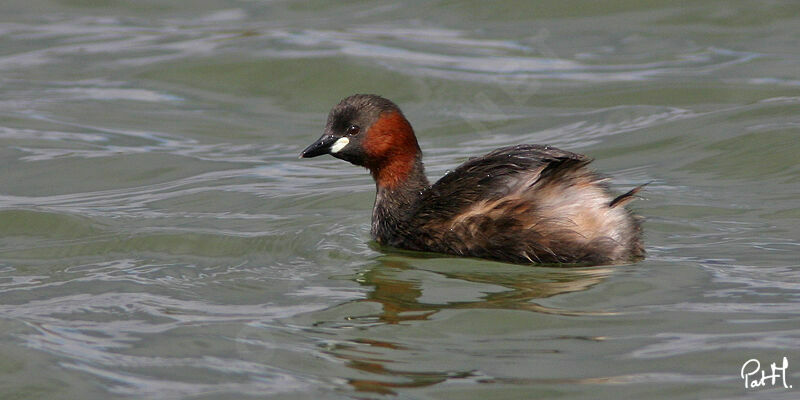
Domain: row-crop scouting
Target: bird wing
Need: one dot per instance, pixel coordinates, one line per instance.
(498, 174)
(526, 203)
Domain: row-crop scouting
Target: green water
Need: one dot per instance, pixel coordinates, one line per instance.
(159, 238)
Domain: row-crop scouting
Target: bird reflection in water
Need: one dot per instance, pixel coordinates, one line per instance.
(397, 288)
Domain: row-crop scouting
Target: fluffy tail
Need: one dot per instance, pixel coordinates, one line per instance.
(625, 198)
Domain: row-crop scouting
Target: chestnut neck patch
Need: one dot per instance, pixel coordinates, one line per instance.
(391, 149)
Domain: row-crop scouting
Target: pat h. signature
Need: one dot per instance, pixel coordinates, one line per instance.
(752, 367)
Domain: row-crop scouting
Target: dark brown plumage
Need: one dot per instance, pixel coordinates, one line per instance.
(521, 204)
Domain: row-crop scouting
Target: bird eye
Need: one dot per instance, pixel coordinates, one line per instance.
(352, 130)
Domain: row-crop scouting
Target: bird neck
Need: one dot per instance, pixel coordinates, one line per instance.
(397, 195)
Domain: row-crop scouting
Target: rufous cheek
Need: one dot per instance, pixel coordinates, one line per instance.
(391, 146)
(390, 135)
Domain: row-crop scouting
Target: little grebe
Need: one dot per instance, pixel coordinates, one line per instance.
(520, 204)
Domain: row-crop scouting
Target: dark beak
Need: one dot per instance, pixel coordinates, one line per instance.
(320, 147)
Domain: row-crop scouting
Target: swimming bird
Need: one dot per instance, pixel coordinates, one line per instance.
(520, 204)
